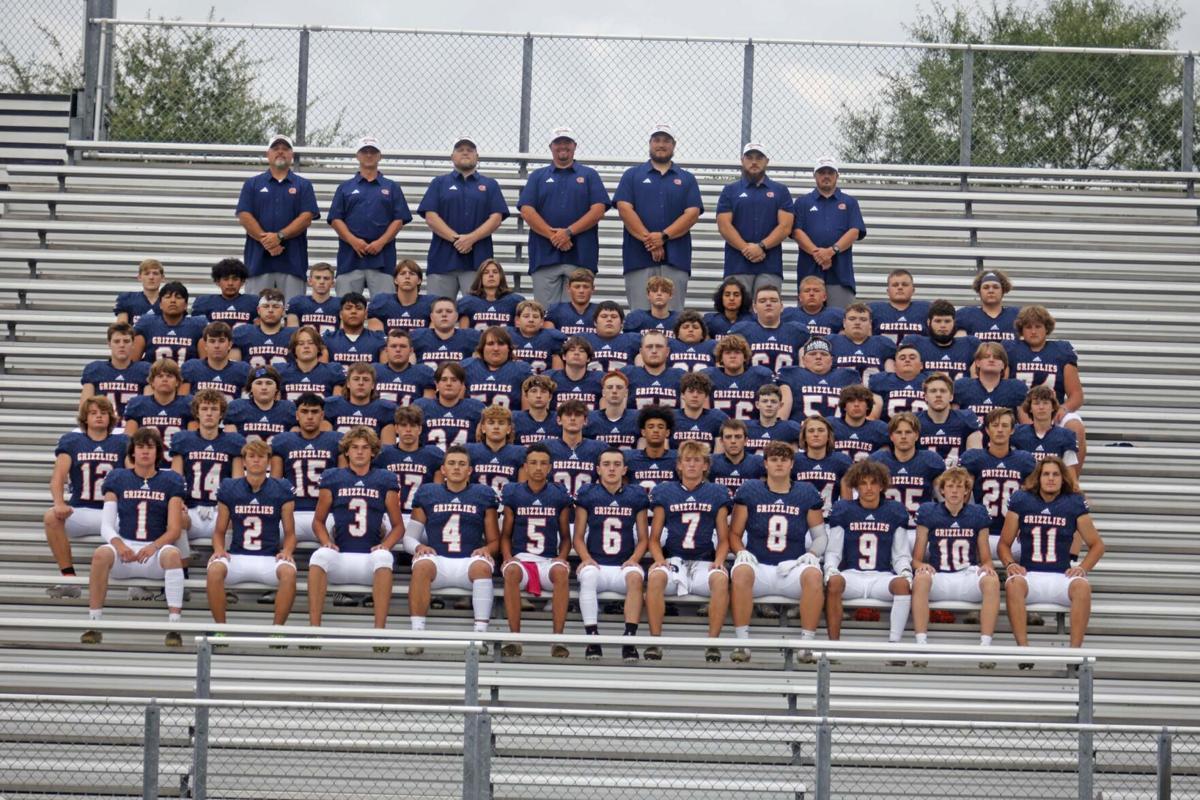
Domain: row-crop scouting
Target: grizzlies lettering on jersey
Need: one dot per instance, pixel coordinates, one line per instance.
(344, 415)
(120, 386)
(823, 474)
(1058, 441)
(537, 350)
(359, 506)
(535, 517)
(142, 502)
(898, 394)
(614, 352)
(530, 431)
(495, 468)
(646, 389)
(253, 422)
(736, 394)
(612, 521)
(412, 468)
(1046, 530)
(887, 320)
(976, 322)
(816, 394)
(773, 348)
(586, 389)
(431, 349)
(449, 425)
(321, 380)
(574, 467)
(217, 308)
(304, 462)
(690, 357)
(648, 472)
(1046, 367)
(570, 321)
(482, 313)
(323, 315)
(405, 386)
(912, 480)
(860, 442)
(167, 419)
(454, 521)
(345, 349)
(388, 309)
(868, 534)
(777, 522)
(496, 387)
(690, 531)
(706, 428)
(948, 439)
(621, 432)
(996, 478)
(954, 359)
(724, 472)
(256, 515)
(91, 461)
(953, 538)
(173, 342)
(206, 462)
(260, 348)
(867, 358)
(971, 394)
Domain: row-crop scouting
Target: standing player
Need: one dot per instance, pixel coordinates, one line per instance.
(612, 347)
(397, 379)
(443, 340)
(1039, 361)
(573, 457)
(495, 460)
(899, 315)
(991, 320)
(352, 341)
(537, 422)
(913, 471)
(494, 377)
(575, 381)
(140, 523)
(534, 343)
(772, 344)
(1042, 437)
(230, 305)
(819, 464)
(854, 432)
(318, 309)
(413, 464)
(947, 431)
(263, 413)
(407, 309)
(576, 316)
(998, 470)
(267, 342)
(942, 350)
(655, 461)
(694, 420)
(171, 333)
(535, 540)
(450, 416)
(164, 409)
(814, 313)
(659, 315)
(614, 422)
(654, 383)
(815, 387)
(489, 301)
(690, 348)
(611, 539)
(205, 458)
(989, 388)
(362, 405)
(731, 305)
(857, 348)
(735, 381)
(734, 465)
(900, 390)
(215, 370)
(132, 306)
(302, 456)
(769, 427)
(689, 542)
(118, 378)
(307, 370)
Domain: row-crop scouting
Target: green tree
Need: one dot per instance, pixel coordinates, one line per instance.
(1065, 110)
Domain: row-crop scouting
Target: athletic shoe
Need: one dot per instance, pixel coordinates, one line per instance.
(1034, 618)
(560, 651)
(91, 637)
(345, 600)
(140, 594)
(511, 650)
(740, 655)
(64, 591)
(712, 655)
(593, 652)
(629, 654)
(653, 653)
(173, 639)
(413, 650)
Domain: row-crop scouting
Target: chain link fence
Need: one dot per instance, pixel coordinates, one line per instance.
(41, 48)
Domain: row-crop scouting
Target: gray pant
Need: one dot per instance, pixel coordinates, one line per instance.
(751, 281)
(449, 284)
(839, 296)
(377, 281)
(635, 286)
(290, 285)
(550, 284)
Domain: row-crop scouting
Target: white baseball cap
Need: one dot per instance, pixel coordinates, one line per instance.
(562, 133)
(752, 147)
(368, 141)
(460, 139)
(661, 127)
(279, 137)
(826, 162)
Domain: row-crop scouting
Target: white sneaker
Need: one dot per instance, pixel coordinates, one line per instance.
(64, 591)
(140, 593)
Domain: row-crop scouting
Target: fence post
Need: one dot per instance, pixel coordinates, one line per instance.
(93, 63)
(526, 92)
(747, 92)
(302, 88)
(1086, 755)
(1164, 765)
(967, 111)
(200, 726)
(1187, 156)
(824, 748)
(471, 676)
(150, 744)
(477, 755)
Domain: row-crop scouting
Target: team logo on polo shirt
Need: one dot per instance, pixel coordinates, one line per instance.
(770, 194)
(483, 187)
(841, 206)
(579, 179)
(385, 192)
(679, 182)
(291, 190)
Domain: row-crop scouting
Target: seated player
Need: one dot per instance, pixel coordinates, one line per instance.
(534, 343)
(778, 536)
(443, 340)
(494, 376)
(535, 540)
(854, 432)
(611, 539)
(942, 350)
(735, 381)
(132, 306)
(813, 312)
(495, 460)
(654, 462)
(868, 556)
(947, 431)
(576, 316)
(170, 333)
(614, 422)
(263, 413)
(769, 427)
(912, 470)
(734, 465)
(659, 316)
(302, 456)
(319, 308)
(118, 378)
(655, 382)
(1042, 437)
(230, 305)
(140, 523)
(773, 344)
(407, 308)
(362, 405)
(899, 315)
(951, 558)
(164, 409)
(216, 370)
(457, 521)
(267, 342)
(204, 458)
(694, 420)
(690, 349)
(361, 500)
(308, 370)
(989, 388)
(731, 305)
(689, 542)
(900, 390)
(413, 464)
(256, 512)
(991, 320)
(82, 460)
(489, 301)
(1045, 518)
(815, 387)
(450, 416)
(998, 470)
(573, 457)
(352, 341)
(537, 422)
(858, 349)
(397, 379)
(612, 347)
(575, 381)
(819, 464)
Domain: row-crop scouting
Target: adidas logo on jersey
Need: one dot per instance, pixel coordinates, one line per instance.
(358, 413)
(549, 180)
(940, 432)
(954, 524)
(691, 499)
(854, 436)
(308, 447)
(902, 471)
(646, 180)
(1045, 511)
(537, 502)
(208, 449)
(743, 194)
(254, 500)
(1037, 359)
(733, 385)
(994, 327)
(495, 460)
(656, 383)
(358, 483)
(119, 378)
(98, 449)
(1001, 464)
(771, 339)
(870, 517)
(263, 418)
(858, 352)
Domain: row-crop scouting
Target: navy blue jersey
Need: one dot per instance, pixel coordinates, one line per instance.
(642, 320)
(971, 394)
(530, 431)
(860, 442)
(535, 517)
(449, 425)
(1058, 441)
(321, 380)
(758, 435)
(91, 461)
(346, 349)
(229, 380)
(976, 322)
(206, 462)
(569, 321)
(736, 394)
(719, 325)
(705, 428)
(388, 309)
(412, 468)
(255, 423)
(948, 439)
(403, 387)
(1046, 367)
(867, 358)
(777, 522)
(496, 387)
(952, 543)
(359, 506)
(996, 478)
(730, 475)
(174, 342)
(454, 521)
(616, 352)
(495, 468)
(216, 308)
(586, 389)
(912, 480)
(690, 531)
(773, 348)
(256, 517)
(649, 472)
(142, 502)
(823, 474)
(537, 350)
(432, 349)
(646, 389)
(482, 313)
(898, 394)
(887, 320)
(869, 535)
(259, 348)
(954, 359)
(118, 385)
(622, 433)
(1046, 529)
(691, 357)
(825, 322)
(135, 305)
(304, 462)
(324, 315)
(612, 521)
(813, 393)
(167, 419)
(574, 467)
(344, 415)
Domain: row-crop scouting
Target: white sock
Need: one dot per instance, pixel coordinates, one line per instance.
(742, 631)
(899, 617)
(480, 626)
(481, 601)
(589, 606)
(173, 584)
(985, 640)
(922, 638)
(807, 634)
(416, 623)
(173, 617)
(94, 614)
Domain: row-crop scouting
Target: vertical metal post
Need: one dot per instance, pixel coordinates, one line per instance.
(471, 676)
(200, 726)
(1164, 765)
(526, 93)
(302, 88)
(1086, 708)
(823, 685)
(824, 748)
(94, 9)
(477, 755)
(1187, 156)
(150, 744)
(747, 92)
(108, 68)
(967, 111)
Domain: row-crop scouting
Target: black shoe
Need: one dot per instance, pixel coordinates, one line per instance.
(266, 598)
(593, 653)
(345, 600)
(629, 654)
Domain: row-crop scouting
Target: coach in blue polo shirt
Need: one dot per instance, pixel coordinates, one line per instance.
(659, 203)
(562, 204)
(463, 209)
(754, 217)
(276, 207)
(367, 212)
(828, 223)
